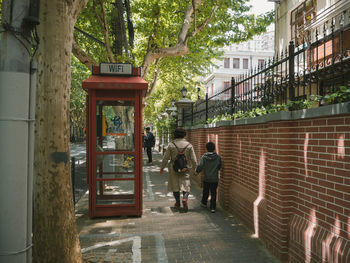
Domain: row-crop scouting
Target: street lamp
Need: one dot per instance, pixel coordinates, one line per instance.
(184, 92)
(198, 91)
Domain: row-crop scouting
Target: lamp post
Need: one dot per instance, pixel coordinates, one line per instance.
(160, 133)
(181, 105)
(198, 92)
(163, 116)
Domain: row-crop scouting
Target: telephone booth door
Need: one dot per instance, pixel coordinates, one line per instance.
(114, 150)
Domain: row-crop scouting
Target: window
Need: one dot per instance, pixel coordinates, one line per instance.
(226, 63)
(227, 94)
(245, 63)
(301, 17)
(236, 63)
(261, 63)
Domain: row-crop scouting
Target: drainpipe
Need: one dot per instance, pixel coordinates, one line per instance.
(31, 117)
(16, 134)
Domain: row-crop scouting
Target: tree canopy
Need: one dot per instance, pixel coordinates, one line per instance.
(173, 41)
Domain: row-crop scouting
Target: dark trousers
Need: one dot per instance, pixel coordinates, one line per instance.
(209, 187)
(177, 196)
(149, 154)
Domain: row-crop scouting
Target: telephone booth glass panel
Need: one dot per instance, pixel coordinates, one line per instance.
(115, 152)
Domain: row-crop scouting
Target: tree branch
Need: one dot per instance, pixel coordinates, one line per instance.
(81, 55)
(179, 49)
(187, 21)
(154, 80)
(77, 7)
(194, 13)
(103, 24)
(203, 25)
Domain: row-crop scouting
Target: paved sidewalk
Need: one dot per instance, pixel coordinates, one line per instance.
(164, 234)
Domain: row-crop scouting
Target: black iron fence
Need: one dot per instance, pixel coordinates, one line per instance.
(317, 65)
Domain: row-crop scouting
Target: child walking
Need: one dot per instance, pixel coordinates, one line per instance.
(210, 163)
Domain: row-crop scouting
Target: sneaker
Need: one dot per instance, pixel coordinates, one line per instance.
(212, 210)
(203, 205)
(185, 205)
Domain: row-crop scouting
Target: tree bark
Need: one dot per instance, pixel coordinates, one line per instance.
(55, 234)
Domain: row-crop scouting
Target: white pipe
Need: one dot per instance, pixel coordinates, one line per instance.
(14, 125)
(31, 115)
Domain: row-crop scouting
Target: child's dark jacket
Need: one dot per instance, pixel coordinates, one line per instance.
(210, 163)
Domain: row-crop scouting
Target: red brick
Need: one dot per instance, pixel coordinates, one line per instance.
(319, 189)
(342, 188)
(318, 202)
(326, 129)
(326, 184)
(326, 197)
(342, 128)
(319, 175)
(325, 211)
(335, 179)
(342, 203)
(319, 122)
(326, 156)
(335, 194)
(319, 135)
(343, 173)
(336, 121)
(326, 170)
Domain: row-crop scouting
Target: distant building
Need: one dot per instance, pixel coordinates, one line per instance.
(239, 59)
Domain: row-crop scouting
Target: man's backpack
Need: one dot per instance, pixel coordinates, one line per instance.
(180, 162)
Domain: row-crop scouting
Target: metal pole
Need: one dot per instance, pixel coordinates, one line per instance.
(232, 95)
(73, 177)
(16, 134)
(192, 114)
(206, 107)
(291, 71)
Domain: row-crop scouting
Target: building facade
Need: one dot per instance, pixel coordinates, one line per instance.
(239, 59)
(309, 21)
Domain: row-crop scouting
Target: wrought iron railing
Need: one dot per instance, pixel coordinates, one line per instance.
(316, 66)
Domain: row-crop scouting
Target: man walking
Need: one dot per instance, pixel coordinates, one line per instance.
(149, 143)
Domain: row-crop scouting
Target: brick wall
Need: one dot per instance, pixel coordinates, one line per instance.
(289, 182)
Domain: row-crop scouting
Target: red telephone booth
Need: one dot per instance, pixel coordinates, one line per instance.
(114, 139)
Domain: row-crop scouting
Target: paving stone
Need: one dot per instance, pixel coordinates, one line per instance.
(164, 234)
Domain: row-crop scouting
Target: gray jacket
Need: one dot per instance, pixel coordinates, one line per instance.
(210, 163)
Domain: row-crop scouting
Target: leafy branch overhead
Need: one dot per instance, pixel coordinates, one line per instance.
(145, 32)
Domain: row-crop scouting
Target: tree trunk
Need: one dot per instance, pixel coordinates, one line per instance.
(55, 234)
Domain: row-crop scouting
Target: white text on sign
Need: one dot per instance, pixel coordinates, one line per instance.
(115, 69)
